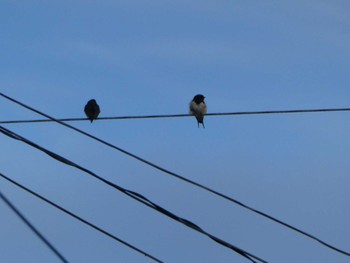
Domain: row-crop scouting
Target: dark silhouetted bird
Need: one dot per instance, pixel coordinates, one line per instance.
(92, 110)
(198, 108)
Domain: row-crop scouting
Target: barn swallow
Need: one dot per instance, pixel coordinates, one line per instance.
(92, 110)
(198, 108)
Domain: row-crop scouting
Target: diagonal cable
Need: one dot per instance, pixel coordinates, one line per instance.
(193, 182)
(33, 228)
(134, 195)
(79, 218)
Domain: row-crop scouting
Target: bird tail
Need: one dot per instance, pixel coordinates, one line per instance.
(198, 122)
(200, 119)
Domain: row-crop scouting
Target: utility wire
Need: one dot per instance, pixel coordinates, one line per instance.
(183, 115)
(193, 182)
(36, 232)
(134, 195)
(79, 218)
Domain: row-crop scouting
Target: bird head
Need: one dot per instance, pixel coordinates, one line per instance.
(198, 98)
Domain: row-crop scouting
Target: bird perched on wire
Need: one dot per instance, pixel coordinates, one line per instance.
(92, 110)
(198, 108)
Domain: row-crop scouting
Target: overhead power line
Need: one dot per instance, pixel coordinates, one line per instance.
(79, 218)
(235, 113)
(134, 195)
(193, 182)
(32, 227)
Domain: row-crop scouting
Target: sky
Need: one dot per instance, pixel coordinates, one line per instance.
(152, 57)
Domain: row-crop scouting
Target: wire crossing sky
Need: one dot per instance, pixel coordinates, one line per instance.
(135, 196)
(194, 183)
(33, 228)
(184, 115)
(79, 218)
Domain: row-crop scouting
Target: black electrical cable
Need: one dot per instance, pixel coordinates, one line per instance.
(33, 228)
(79, 218)
(134, 195)
(193, 182)
(236, 113)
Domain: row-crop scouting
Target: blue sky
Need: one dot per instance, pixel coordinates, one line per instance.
(152, 57)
